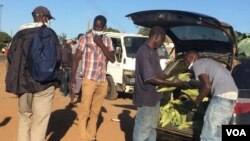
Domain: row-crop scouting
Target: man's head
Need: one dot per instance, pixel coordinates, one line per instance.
(79, 36)
(190, 57)
(99, 25)
(41, 14)
(156, 37)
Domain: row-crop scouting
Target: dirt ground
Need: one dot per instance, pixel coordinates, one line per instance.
(63, 123)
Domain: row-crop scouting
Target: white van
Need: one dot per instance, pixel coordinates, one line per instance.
(120, 74)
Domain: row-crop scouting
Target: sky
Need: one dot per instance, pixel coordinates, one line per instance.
(72, 16)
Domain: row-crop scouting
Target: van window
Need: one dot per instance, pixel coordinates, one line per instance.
(199, 33)
(117, 43)
(162, 51)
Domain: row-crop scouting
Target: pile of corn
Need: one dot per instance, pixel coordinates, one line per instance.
(173, 111)
(181, 77)
(169, 114)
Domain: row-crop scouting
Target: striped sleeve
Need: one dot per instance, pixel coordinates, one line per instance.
(82, 43)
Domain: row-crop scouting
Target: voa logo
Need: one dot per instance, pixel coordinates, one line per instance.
(236, 132)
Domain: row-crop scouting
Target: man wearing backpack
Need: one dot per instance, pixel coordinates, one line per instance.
(34, 97)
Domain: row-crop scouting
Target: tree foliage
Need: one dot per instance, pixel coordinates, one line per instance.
(244, 47)
(144, 31)
(4, 39)
(108, 29)
(62, 38)
(241, 36)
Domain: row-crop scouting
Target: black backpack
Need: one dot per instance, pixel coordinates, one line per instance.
(42, 54)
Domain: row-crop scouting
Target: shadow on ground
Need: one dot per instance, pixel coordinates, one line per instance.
(131, 107)
(5, 121)
(124, 95)
(100, 117)
(59, 123)
(127, 124)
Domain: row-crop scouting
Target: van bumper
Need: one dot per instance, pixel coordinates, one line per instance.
(129, 89)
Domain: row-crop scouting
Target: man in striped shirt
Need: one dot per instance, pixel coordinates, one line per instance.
(95, 50)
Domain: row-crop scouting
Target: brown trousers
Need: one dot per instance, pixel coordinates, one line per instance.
(93, 94)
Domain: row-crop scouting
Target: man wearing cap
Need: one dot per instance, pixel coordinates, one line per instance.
(41, 15)
(34, 98)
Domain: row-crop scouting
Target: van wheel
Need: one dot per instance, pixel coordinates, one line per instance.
(111, 92)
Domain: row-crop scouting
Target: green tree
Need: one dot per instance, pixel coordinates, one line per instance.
(62, 38)
(108, 29)
(241, 36)
(144, 31)
(4, 39)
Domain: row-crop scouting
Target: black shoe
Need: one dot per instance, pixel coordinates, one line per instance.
(70, 106)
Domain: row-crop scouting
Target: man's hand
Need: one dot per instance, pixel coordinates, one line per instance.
(98, 40)
(72, 84)
(190, 106)
(192, 84)
(195, 84)
(183, 85)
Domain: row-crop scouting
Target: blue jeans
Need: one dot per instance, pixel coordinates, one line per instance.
(146, 122)
(218, 113)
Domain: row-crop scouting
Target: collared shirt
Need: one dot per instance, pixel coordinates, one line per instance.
(31, 25)
(94, 62)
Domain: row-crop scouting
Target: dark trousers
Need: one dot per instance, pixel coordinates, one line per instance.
(65, 90)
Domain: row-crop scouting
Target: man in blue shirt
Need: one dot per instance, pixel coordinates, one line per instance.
(148, 75)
